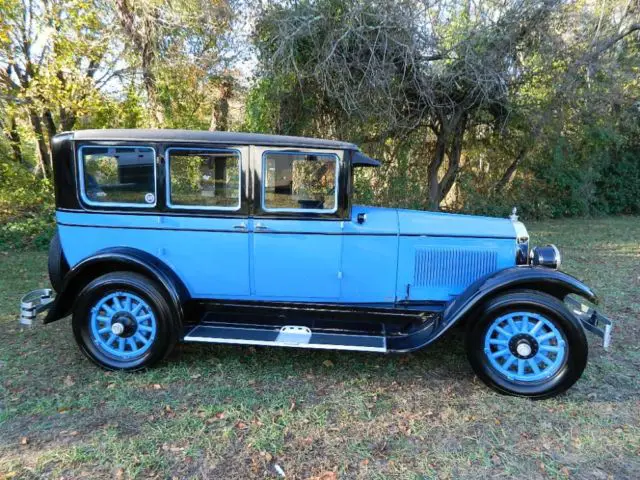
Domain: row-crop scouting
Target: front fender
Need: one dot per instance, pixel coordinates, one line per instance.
(113, 260)
(552, 282)
(542, 279)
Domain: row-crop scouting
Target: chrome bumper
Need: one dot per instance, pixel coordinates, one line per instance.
(592, 321)
(33, 303)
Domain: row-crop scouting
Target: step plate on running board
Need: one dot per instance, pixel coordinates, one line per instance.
(288, 336)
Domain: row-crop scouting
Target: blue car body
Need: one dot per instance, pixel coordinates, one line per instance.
(395, 256)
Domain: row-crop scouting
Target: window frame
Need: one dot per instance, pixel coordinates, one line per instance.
(167, 176)
(83, 194)
(263, 174)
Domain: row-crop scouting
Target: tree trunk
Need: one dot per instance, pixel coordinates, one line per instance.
(16, 144)
(46, 166)
(507, 176)
(220, 111)
(434, 168)
(143, 40)
(454, 154)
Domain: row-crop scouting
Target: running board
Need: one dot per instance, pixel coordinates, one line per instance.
(287, 336)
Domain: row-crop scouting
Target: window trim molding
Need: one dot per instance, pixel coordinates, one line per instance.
(299, 210)
(167, 161)
(93, 203)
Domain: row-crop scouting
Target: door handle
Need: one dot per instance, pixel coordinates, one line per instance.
(240, 226)
(261, 227)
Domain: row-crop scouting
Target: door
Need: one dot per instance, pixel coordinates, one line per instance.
(297, 235)
(206, 238)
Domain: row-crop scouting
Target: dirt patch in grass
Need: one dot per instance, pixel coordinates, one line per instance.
(232, 412)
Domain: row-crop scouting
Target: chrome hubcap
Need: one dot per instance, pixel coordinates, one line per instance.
(117, 328)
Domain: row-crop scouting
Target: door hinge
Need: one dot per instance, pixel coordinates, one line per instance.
(340, 275)
(408, 291)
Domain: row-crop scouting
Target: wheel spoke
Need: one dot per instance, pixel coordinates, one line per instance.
(102, 318)
(111, 338)
(116, 303)
(498, 341)
(121, 344)
(500, 353)
(514, 328)
(504, 332)
(136, 309)
(546, 337)
(110, 311)
(141, 338)
(145, 328)
(549, 348)
(509, 362)
(525, 324)
(534, 366)
(104, 330)
(520, 367)
(127, 304)
(536, 327)
(132, 344)
(544, 358)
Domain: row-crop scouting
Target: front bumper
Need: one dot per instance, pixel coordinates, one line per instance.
(592, 320)
(33, 303)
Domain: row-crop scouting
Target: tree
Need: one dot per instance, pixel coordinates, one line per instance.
(430, 72)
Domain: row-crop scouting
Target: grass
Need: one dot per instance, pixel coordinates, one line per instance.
(238, 412)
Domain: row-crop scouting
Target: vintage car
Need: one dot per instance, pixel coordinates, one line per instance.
(167, 235)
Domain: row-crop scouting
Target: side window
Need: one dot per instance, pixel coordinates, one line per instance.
(115, 176)
(207, 179)
(297, 181)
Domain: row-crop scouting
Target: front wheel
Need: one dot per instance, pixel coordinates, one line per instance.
(122, 321)
(527, 344)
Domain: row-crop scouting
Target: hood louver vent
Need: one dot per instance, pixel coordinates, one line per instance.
(453, 267)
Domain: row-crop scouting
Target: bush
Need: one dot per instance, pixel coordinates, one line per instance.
(26, 208)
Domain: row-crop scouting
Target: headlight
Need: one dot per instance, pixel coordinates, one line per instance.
(547, 256)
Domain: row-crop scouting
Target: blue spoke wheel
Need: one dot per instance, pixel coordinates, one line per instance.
(123, 325)
(527, 343)
(122, 321)
(525, 347)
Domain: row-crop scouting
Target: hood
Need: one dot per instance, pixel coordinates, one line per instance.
(415, 222)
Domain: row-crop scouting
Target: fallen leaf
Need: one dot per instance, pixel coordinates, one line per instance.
(68, 381)
(328, 363)
(157, 386)
(24, 441)
(241, 426)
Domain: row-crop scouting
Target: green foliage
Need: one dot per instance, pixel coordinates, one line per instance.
(26, 208)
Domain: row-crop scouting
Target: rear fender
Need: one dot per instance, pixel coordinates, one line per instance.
(113, 260)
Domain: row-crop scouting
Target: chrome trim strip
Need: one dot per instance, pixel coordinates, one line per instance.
(233, 341)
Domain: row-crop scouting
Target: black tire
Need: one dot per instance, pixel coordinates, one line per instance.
(570, 369)
(166, 324)
(58, 266)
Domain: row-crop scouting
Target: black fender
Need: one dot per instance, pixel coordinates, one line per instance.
(553, 282)
(542, 279)
(114, 260)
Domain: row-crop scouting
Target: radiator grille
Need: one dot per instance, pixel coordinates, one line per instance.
(439, 267)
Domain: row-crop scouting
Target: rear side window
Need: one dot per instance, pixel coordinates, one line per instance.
(118, 176)
(299, 182)
(203, 179)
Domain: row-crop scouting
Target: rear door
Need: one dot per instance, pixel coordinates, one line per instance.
(297, 231)
(205, 231)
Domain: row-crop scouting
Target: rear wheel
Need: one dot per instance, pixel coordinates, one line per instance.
(122, 322)
(527, 344)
